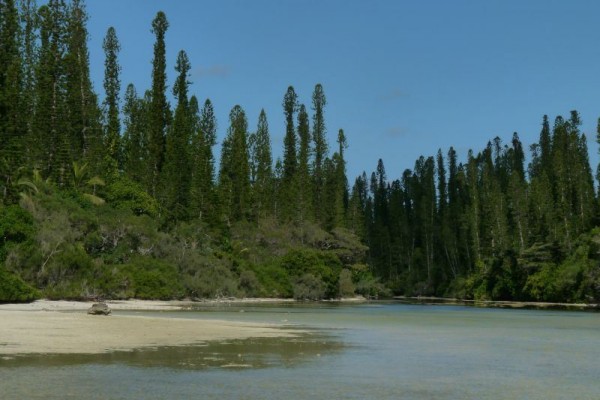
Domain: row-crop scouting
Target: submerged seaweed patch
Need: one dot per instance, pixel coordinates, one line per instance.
(231, 354)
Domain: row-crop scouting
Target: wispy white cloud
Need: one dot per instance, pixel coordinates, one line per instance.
(218, 70)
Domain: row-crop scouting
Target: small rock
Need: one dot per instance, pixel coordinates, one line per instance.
(99, 309)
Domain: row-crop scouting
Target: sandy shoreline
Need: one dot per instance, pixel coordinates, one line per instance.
(45, 327)
(498, 303)
(139, 305)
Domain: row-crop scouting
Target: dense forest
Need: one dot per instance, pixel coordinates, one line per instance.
(124, 197)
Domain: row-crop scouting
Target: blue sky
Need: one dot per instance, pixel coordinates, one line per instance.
(402, 78)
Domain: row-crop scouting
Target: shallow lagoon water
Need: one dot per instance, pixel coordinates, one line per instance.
(374, 350)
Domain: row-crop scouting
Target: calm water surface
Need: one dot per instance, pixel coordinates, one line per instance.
(368, 351)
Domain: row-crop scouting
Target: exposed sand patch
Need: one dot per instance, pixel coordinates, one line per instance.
(28, 332)
(120, 305)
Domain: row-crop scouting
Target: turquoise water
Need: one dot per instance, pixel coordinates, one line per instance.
(368, 351)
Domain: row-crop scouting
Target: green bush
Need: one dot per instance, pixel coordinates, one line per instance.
(125, 194)
(210, 281)
(14, 289)
(346, 286)
(274, 280)
(16, 226)
(320, 264)
(371, 287)
(148, 278)
(309, 287)
(249, 284)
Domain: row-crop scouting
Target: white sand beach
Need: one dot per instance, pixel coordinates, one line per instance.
(64, 327)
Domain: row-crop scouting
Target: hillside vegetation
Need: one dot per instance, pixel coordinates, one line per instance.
(123, 197)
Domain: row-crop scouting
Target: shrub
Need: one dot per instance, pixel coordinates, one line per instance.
(215, 280)
(249, 284)
(320, 264)
(274, 280)
(371, 287)
(346, 286)
(148, 278)
(14, 289)
(125, 194)
(308, 287)
(16, 226)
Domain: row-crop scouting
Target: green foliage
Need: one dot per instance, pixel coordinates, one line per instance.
(148, 278)
(249, 284)
(234, 175)
(575, 279)
(13, 289)
(482, 229)
(16, 226)
(124, 194)
(159, 112)
(309, 287)
(346, 286)
(274, 280)
(214, 280)
(306, 264)
(112, 87)
(177, 170)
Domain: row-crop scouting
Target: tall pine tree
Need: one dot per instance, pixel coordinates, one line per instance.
(320, 148)
(12, 125)
(112, 87)
(159, 110)
(176, 174)
(84, 114)
(203, 141)
(262, 161)
(289, 187)
(303, 177)
(234, 174)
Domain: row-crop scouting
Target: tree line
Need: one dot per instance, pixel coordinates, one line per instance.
(61, 142)
(489, 227)
(53, 120)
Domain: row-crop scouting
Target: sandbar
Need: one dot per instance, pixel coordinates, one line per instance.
(45, 327)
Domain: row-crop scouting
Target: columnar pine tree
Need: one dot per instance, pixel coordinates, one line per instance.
(84, 115)
(159, 112)
(176, 173)
(356, 207)
(341, 198)
(329, 193)
(29, 55)
(473, 212)
(112, 87)
(134, 140)
(204, 139)
(234, 175)
(289, 188)
(493, 224)
(454, 217)
(52, 154)
(277, 188)
(303, 178)
(517, 196)
(584, 206)
(320, 148)
(445, 238)
(380, 244)
(561, 182)
(541, 210)
(262, 161)
(426, 211)
(12, 126)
